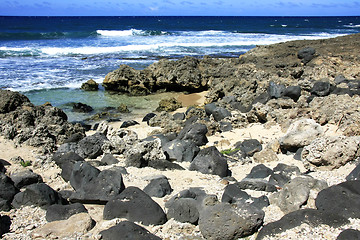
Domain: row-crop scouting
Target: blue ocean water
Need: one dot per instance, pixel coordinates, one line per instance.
(47, 58)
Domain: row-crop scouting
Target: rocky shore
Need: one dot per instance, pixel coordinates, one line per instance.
(268, 148)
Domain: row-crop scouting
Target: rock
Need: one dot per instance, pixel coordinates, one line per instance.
(265, 155)
(129, 123)
(66, 162)
(342, 199)
(185, 205)
(249, 146)
(120, 140)
(168, 105)
(311, 217)
(276, 90)
(181, 150)
(91, 146)
(90, 85)
(286, 171)
(209, 108)
(349, 234)
(220, 113)
(81, 107)
(58, 212)
(158, 187)
(354, 174)
(7, 192)
(25, 177)
(321, 89)
(72, 228)
(306, 54)
(163, 165)
(226, 221)
(179, 116)
(128, 231)
(38, 194)
(123, 108)
(301, 133)
(75, 138)
(293, 92)
(135, 205)
(234, 194)
(148, 117)
(93, 186)
(296, 193)
(9, 101)
(144, 152)
(195, 132)
(331, 152)
(225, 126)
(256, 184)
(210, 161)
(109, 159)
(5, 223)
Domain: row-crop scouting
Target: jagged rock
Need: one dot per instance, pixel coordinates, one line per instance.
(296, 193)
(7, 192)
(94, 186)
(220, 113)
(249, 146)
(142, 153)
(82, 108)
(321, 89)
(9, 101)
(71, 228)
(158, 187)
(311, 217)
(265, 155)
(226, 221)
(301, 133)
(331, 152)
(276, 90)
(120, 140)
(168, 105)
(91, 146)
(38, 194)
(58, 212)
(129, 123)
(90, 85)
(181, 150)
(66, 162)
(109, 159)
(128, 231)
(349, 234)
(134, 205)
(210, 161)
(293, 92)
(195, 132)
(342, 199)
(25, 177)
(306, 54)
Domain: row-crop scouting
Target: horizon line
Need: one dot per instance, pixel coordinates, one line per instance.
(178, 16)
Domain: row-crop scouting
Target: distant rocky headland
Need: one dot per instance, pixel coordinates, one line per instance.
(272, 152)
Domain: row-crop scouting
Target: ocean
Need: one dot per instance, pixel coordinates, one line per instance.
(48, 58)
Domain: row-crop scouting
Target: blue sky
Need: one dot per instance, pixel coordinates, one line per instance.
(180, 7)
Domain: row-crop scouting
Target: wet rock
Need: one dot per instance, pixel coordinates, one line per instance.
(135, 205)
(94, 186)
(311, 217)
(158, 187)
(306, 54)
(128, 231)
(331, 152)
(7, 192)
(65, 228)
(25, 177)
(9, 101)
(181, 150)
(210, 161)
(249, 146)
(82, 108)
(38, 194)
(168, 105)
(349, 234)
(195, 132)
(226, 221)
(301, 133)
(342, 199)
(148, 117)
(296, 193)
(90, 85)
(58, 212)
(66, 162)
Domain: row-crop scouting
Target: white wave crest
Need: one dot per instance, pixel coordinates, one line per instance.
(117, 33)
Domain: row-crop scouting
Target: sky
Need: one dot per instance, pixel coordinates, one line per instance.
(180, 8)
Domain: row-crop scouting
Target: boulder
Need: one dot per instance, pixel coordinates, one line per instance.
(321, 89)
(276, 90)
(136, 206)
(66, 162)
(5, 223)
(82, 108)
(210, 161)
(128, 231)
(311, 217)
(158, 187)
(163, 165)
(168, 105)
(331, 152)
(306, 54)
(301, 133)
(94, 186)
(148, 117)
(349, 234)
(195, 132)
(90, 85)
(7, 192)
(293, 92)
(354, 174)
(91, 146)
(230, 221)
(58, 212)
(72, 228)
(109, 159)
(129, 123)
(249, 147)
(342, 199)
(265, 155)
(181, 150)
(209, 108)
(9, 101)
(220, 113)
(25, 177)
(38, 194)
(296, 193)
(179, 116)
(120, 140)
(142, 153)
